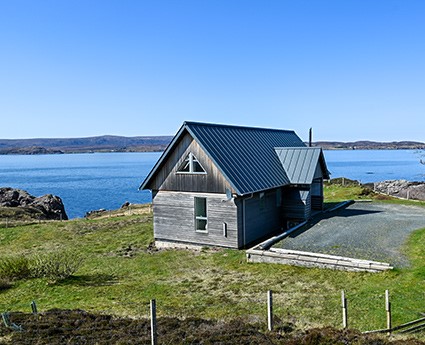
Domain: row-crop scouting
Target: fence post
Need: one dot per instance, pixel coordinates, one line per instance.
(34, 307)
(270, 310)
(7, 223)
(153, 322)
(344, 310)
(388, 310)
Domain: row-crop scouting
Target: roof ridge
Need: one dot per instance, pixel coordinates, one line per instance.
(210, 124)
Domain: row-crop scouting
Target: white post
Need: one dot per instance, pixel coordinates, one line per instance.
(153, 322)
(388, 310)
(344, 310)
(269, 310)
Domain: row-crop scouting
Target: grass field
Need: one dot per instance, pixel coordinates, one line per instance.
(121, 272)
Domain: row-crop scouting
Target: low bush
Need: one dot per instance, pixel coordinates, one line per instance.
(56, 265)
(14, 267)
(5, 283)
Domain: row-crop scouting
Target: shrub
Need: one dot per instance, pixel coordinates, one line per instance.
(56, 265)
(14, 267)
(5, 283)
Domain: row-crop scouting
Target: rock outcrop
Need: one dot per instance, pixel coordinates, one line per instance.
(50, 206)
(402, 189)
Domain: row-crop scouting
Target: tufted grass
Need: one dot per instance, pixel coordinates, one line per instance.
(121, 272)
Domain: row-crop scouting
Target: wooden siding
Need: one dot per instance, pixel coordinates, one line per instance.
(317, 189)
(167, 178)
(174, 219)
(296, 203)
(262, 216)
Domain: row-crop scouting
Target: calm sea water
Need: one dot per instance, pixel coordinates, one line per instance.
(85, 182)
(376, 165)
(88, 182)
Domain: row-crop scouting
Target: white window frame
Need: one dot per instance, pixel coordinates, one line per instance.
(192, 159)
(202, 218)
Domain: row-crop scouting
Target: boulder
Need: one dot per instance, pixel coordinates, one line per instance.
(49, 205)
(95, 212)
(125, 205)
(402, 189)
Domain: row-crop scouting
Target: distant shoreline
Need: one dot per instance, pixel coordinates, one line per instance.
(109, 143)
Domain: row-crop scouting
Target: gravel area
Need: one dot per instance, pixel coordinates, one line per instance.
(363, 230)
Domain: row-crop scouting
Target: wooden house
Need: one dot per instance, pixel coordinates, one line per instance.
(233, 186)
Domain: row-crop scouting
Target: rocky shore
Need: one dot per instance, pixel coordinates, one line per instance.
(401, 189)
(45, 207)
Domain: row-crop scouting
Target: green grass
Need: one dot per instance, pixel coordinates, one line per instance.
(121, 273)
(337, 193)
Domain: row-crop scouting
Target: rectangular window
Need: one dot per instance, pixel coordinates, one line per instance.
(201, 218)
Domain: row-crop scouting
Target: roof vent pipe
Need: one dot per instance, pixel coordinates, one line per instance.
(310, 138)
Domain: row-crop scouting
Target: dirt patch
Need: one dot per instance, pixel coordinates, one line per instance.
(79, 327)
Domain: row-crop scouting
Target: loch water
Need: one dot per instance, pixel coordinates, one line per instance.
(93, 181)
(376, 165)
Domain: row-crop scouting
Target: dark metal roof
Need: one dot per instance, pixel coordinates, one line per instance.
(300, 163)
(244, 155)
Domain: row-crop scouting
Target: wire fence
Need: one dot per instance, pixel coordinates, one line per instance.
(374, 311)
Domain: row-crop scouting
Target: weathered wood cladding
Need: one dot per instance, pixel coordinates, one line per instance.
(317, 189)
(296, 203)
(317, 194)
(168, 179)
(259, 216)
(174, 219)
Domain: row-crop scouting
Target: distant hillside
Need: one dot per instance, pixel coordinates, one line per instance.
(370, 145)
(106, 143)
(111, 143)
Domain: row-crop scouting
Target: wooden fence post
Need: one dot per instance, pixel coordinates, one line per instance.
(153, 322)
(388, 310)
(270, 310)
(34, 307)
(344, 310)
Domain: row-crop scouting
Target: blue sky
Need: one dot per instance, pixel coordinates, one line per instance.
(352, 70)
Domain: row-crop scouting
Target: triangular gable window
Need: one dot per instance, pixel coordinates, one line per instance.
(191, 165)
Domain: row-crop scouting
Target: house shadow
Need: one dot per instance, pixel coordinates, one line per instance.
(343, 211)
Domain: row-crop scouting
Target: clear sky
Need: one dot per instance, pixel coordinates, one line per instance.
(352, 70)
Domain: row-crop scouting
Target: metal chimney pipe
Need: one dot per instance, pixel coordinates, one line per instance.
(310, 138)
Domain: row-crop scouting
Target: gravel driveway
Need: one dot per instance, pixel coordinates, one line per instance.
(363, 230)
